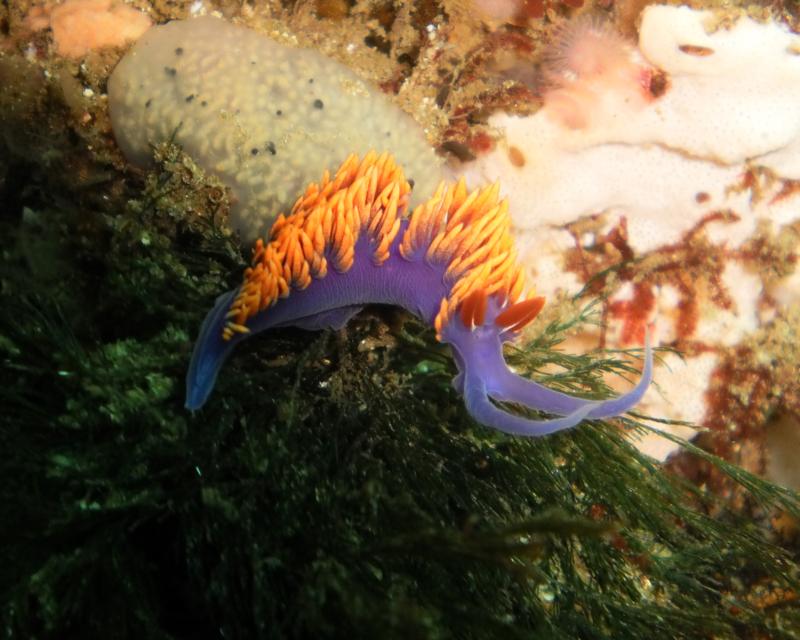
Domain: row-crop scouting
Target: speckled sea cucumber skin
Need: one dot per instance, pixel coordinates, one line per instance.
(265, 117)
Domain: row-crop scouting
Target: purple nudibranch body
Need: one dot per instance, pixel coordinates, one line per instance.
(350, 241)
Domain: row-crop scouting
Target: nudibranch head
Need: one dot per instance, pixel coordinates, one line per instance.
(350, 241)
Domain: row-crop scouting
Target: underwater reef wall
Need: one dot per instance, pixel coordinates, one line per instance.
(335, 486)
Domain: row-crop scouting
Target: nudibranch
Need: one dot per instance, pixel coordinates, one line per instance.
(350, 241)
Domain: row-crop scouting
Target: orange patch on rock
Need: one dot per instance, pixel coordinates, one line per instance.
(81, 26)
(516, 157)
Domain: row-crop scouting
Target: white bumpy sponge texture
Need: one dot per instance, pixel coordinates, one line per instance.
(265, 117)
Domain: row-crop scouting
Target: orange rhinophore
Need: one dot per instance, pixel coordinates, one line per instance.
(517, 316)
(473, 309)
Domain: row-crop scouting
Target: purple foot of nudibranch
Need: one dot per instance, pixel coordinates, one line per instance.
(484, 375)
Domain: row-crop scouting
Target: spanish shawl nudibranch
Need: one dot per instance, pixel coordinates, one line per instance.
(349, 242)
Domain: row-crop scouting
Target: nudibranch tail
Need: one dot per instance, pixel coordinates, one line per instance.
(350, 241)
(210, 352)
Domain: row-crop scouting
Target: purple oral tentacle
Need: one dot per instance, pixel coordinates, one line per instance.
(625, 402)
(482, 410)
(505, 385)
(481, 351)
(484, 374)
